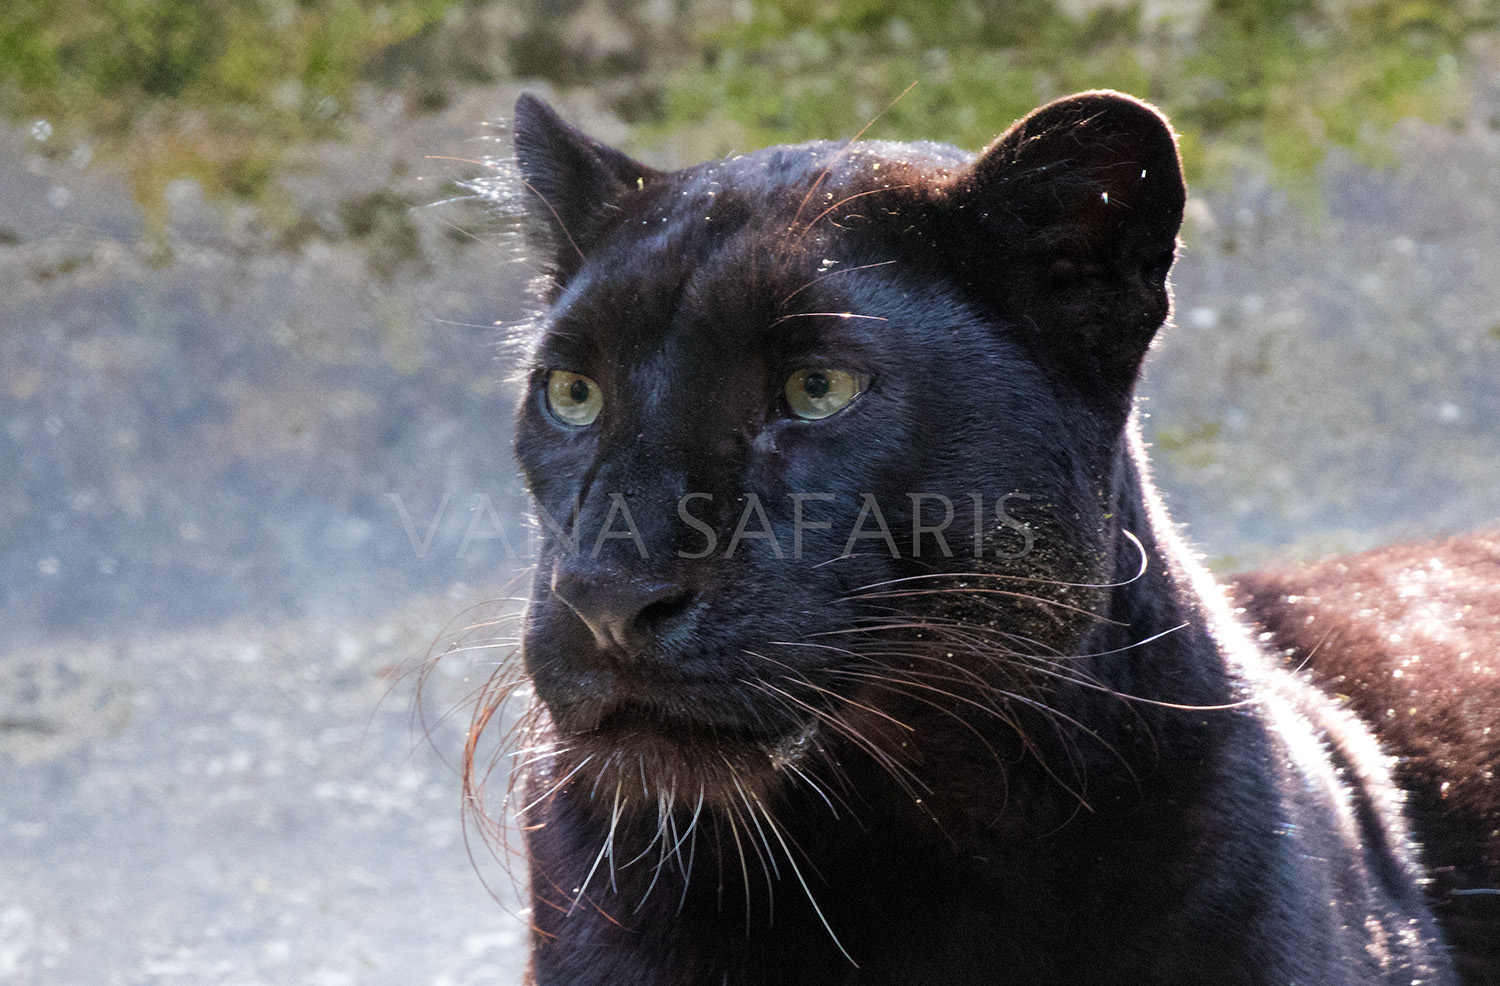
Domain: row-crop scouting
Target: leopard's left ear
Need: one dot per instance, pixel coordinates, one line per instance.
(572, 180)
(1069, 221)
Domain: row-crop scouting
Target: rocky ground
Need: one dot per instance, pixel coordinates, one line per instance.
(245, 488)
(245, 804)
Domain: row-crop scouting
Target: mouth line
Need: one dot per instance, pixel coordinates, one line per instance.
(645, 753)
(647, 724)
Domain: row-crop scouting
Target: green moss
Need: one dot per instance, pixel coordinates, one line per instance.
(1194, 445)
(225, 91)
(384, 222)
(215, 90)
(1287, 79)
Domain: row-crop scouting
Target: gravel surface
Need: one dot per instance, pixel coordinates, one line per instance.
(241, 805)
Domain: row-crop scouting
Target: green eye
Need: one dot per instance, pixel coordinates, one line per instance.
(573, 398)
(814, 394)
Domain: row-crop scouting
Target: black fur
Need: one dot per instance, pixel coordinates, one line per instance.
(1409, 637)
(1056, 760)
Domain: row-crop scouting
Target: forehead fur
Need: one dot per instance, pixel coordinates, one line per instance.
(755, 235)
(792, 201)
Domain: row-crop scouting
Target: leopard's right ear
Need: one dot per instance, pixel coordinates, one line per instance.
(571, 180)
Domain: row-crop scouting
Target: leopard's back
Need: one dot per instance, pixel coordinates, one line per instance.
(1408, 636)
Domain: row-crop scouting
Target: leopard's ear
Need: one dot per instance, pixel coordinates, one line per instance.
(1072, 216)
(1092, 175)
(571, 182)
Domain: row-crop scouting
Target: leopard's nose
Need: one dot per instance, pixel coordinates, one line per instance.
(623, 613)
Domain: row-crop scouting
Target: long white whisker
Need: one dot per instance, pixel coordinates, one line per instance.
(558, 786)
(731, 818)
(584, 887)
(614, 824)
(692, 836)
(797, 871)
(771, 857)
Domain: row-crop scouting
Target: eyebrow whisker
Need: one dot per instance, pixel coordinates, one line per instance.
(874, 318)
(832, 273)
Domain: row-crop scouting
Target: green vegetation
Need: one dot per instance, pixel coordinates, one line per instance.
(1194, 444)
(1285, 79)
(226, 91)
(215, 90)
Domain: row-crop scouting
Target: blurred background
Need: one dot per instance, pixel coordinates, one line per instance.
(254, 402)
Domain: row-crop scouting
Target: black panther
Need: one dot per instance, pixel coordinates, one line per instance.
(863, 650)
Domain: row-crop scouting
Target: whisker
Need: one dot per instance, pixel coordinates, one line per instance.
(797, 871)
(735, 780)
(817, 788)
(731, 818)
(1145, 561)
(970, 592)
(614, 824)
(844, 150)
(893, 767)
(608, 847)
(558, 786)
(783, 318)
(832, 273)
(1139, 699)
(849, 198)
(692, 835)
(557, 218)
